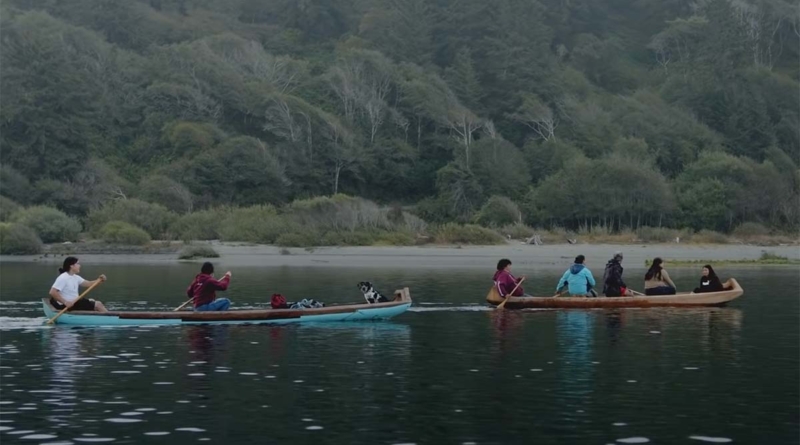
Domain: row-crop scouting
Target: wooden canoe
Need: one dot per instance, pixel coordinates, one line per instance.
(338, 313)
(731, 292)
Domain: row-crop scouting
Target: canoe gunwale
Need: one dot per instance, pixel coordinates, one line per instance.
(684, 299)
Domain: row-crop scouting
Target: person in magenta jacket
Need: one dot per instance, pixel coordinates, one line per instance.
(203, 290)
(504, 282)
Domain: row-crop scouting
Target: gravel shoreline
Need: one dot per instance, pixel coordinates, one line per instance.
(556, 255)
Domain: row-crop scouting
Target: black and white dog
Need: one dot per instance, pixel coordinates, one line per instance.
(370, 294)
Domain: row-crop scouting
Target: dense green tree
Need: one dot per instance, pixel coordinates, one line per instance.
(582, 112)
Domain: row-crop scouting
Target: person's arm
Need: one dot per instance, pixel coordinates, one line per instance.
(590, 277)
(508, 283)
(221, 284)
(667, 279)
(87, 283)
(562, 282)
(55, 291)
(618, 274)
(56, 294)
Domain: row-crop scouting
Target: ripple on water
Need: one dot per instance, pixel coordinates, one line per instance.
(163, 383)
(196, 374)
(313, 427)
(132, 413)
(126, 372)
(156, 433)
(39, 436)
(711, 439)
(20, 432)
(634, 440)
(619, 424)
(144, 410)
(94, 439)
(6, 428)
(122, 420)
(190, 429)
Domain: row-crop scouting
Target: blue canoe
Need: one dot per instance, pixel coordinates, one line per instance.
(345, 312)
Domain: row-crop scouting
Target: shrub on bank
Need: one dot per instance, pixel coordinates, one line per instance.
(51, 225)
(8, 208)
(660, 234)
(154, 219)
(750, 230)
(517, 231)
(16, 239)
(120, 232)
(338, 213)
(709, 237)
(203, 225)
(452, 233)
(193, 251)
(395, 239)
(257, 224)
(499, 211)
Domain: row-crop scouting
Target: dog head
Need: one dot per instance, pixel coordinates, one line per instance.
(365, 287)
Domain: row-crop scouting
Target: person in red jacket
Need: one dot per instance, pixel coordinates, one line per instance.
(504, 281)
(203, 290)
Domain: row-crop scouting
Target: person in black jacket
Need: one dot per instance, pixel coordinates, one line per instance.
(709, 282)
(613, 286)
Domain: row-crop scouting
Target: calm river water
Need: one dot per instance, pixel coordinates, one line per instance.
(450, 371)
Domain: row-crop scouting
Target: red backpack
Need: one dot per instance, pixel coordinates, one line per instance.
(278, 302)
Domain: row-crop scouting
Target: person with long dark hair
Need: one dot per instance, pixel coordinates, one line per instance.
(64, 292)
(504, 281)
(657, 280)
(709, 282)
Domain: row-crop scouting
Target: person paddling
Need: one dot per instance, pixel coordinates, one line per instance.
(64, 292)
(505, 282)
(613, 286)
(203, 290)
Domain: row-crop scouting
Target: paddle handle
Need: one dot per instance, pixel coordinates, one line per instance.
(508, 295)
(53, 320)
(183, 305)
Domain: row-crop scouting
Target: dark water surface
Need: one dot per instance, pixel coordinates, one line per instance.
(450, 371)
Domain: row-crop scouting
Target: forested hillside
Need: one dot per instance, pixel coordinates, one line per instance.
(623, 113)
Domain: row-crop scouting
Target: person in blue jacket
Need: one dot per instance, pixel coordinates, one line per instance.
(579, 279)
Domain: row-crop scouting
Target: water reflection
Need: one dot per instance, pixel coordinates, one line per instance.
(614, 319)
(68, 360)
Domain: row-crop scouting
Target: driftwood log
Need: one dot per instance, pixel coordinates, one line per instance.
(535, 240)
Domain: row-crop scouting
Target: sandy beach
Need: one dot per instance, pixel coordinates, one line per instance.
(557, 255)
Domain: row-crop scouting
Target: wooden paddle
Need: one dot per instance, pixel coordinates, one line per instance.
(508, 295)
(637, 294)
(52, 320)
(182, 306)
